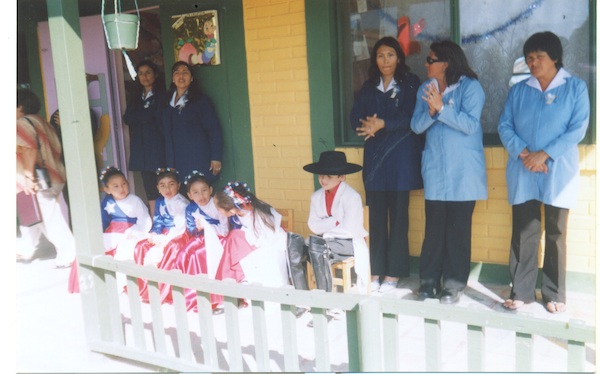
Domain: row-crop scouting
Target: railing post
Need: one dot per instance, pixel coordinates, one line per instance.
(576, 350)
(523, 348)
(369, 335)
(476, 344)
(433, 344)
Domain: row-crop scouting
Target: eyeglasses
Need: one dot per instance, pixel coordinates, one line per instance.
(431, 60)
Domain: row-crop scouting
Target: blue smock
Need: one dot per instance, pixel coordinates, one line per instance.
(453, 164)
(553, 121)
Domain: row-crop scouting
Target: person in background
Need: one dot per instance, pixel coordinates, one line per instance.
(36, 142)
(193, 135)
(144, 117)
(544, 119)
(454, 171)
(55, 122)
(381, 113)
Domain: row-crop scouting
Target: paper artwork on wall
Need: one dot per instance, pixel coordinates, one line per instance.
(197, 38)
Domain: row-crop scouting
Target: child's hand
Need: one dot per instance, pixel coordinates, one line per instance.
(199, 225)
(154, 256)
(152, 238)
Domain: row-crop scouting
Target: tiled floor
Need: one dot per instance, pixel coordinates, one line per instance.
(50, 335)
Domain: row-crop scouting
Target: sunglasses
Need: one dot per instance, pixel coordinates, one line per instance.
(431, 60)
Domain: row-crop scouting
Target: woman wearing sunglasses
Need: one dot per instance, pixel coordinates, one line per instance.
(448, 110)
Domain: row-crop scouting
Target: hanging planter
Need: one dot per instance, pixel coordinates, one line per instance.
(121, 30)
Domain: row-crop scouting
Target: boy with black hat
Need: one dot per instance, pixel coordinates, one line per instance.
(336, 219)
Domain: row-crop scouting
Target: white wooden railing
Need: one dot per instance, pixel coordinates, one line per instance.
(379, 334)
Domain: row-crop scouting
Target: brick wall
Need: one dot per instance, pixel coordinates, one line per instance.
(280, 113)
(492, 218)
(278, 88)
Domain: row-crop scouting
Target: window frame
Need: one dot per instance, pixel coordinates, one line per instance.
(326, 83)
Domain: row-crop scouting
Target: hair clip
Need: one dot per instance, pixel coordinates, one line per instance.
(238, 200)
(238, 183)
(191, 175)
(166, 170)
(106, 170)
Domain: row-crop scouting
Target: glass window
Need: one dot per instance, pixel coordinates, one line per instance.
(492, 33)
(414, 22)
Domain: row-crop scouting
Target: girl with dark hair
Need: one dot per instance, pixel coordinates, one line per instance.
(392, 159)
(454, 172)
(256, 252)
(544, 119)
(193, 135)
(201, 245)
(143, 116)
(125, 220)
(168, 221)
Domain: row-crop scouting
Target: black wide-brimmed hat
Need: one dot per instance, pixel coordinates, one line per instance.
(332, 163)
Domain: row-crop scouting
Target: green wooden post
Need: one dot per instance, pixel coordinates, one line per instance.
(523, 351)
(369, 329)
(576, 350)
(207, 331)
(135, 308)
(184, 343)
(322, 357)
(352, 338)
(261, 339)
(290, 343)
(158, 325)
(476, 343)
(576, 356)
(433, 344)
(390, 337)
(71, 86)
(234, 345)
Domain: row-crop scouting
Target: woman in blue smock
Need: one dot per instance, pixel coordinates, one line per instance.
(544, 118)
(193, 136)
(143, 116)
(392, 159)
(448, 111)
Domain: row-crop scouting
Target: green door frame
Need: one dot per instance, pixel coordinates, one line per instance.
(225, 84)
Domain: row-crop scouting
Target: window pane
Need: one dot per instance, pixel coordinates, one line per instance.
(362, 22)
(493, 33)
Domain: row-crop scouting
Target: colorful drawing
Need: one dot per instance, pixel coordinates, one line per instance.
(197, 38)
(408, 45)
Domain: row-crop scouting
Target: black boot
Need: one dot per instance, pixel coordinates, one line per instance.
(321, 263)
(297, 256)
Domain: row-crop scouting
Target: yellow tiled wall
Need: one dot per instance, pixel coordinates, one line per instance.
(492, 218)
(280, 113)
(280, 117)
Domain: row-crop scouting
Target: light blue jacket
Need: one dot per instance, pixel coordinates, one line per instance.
(453, 163)
(553, 121)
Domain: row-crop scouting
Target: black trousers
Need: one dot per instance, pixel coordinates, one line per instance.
(149, 180)
(524, 246)
(446, 252)
(388, 232)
